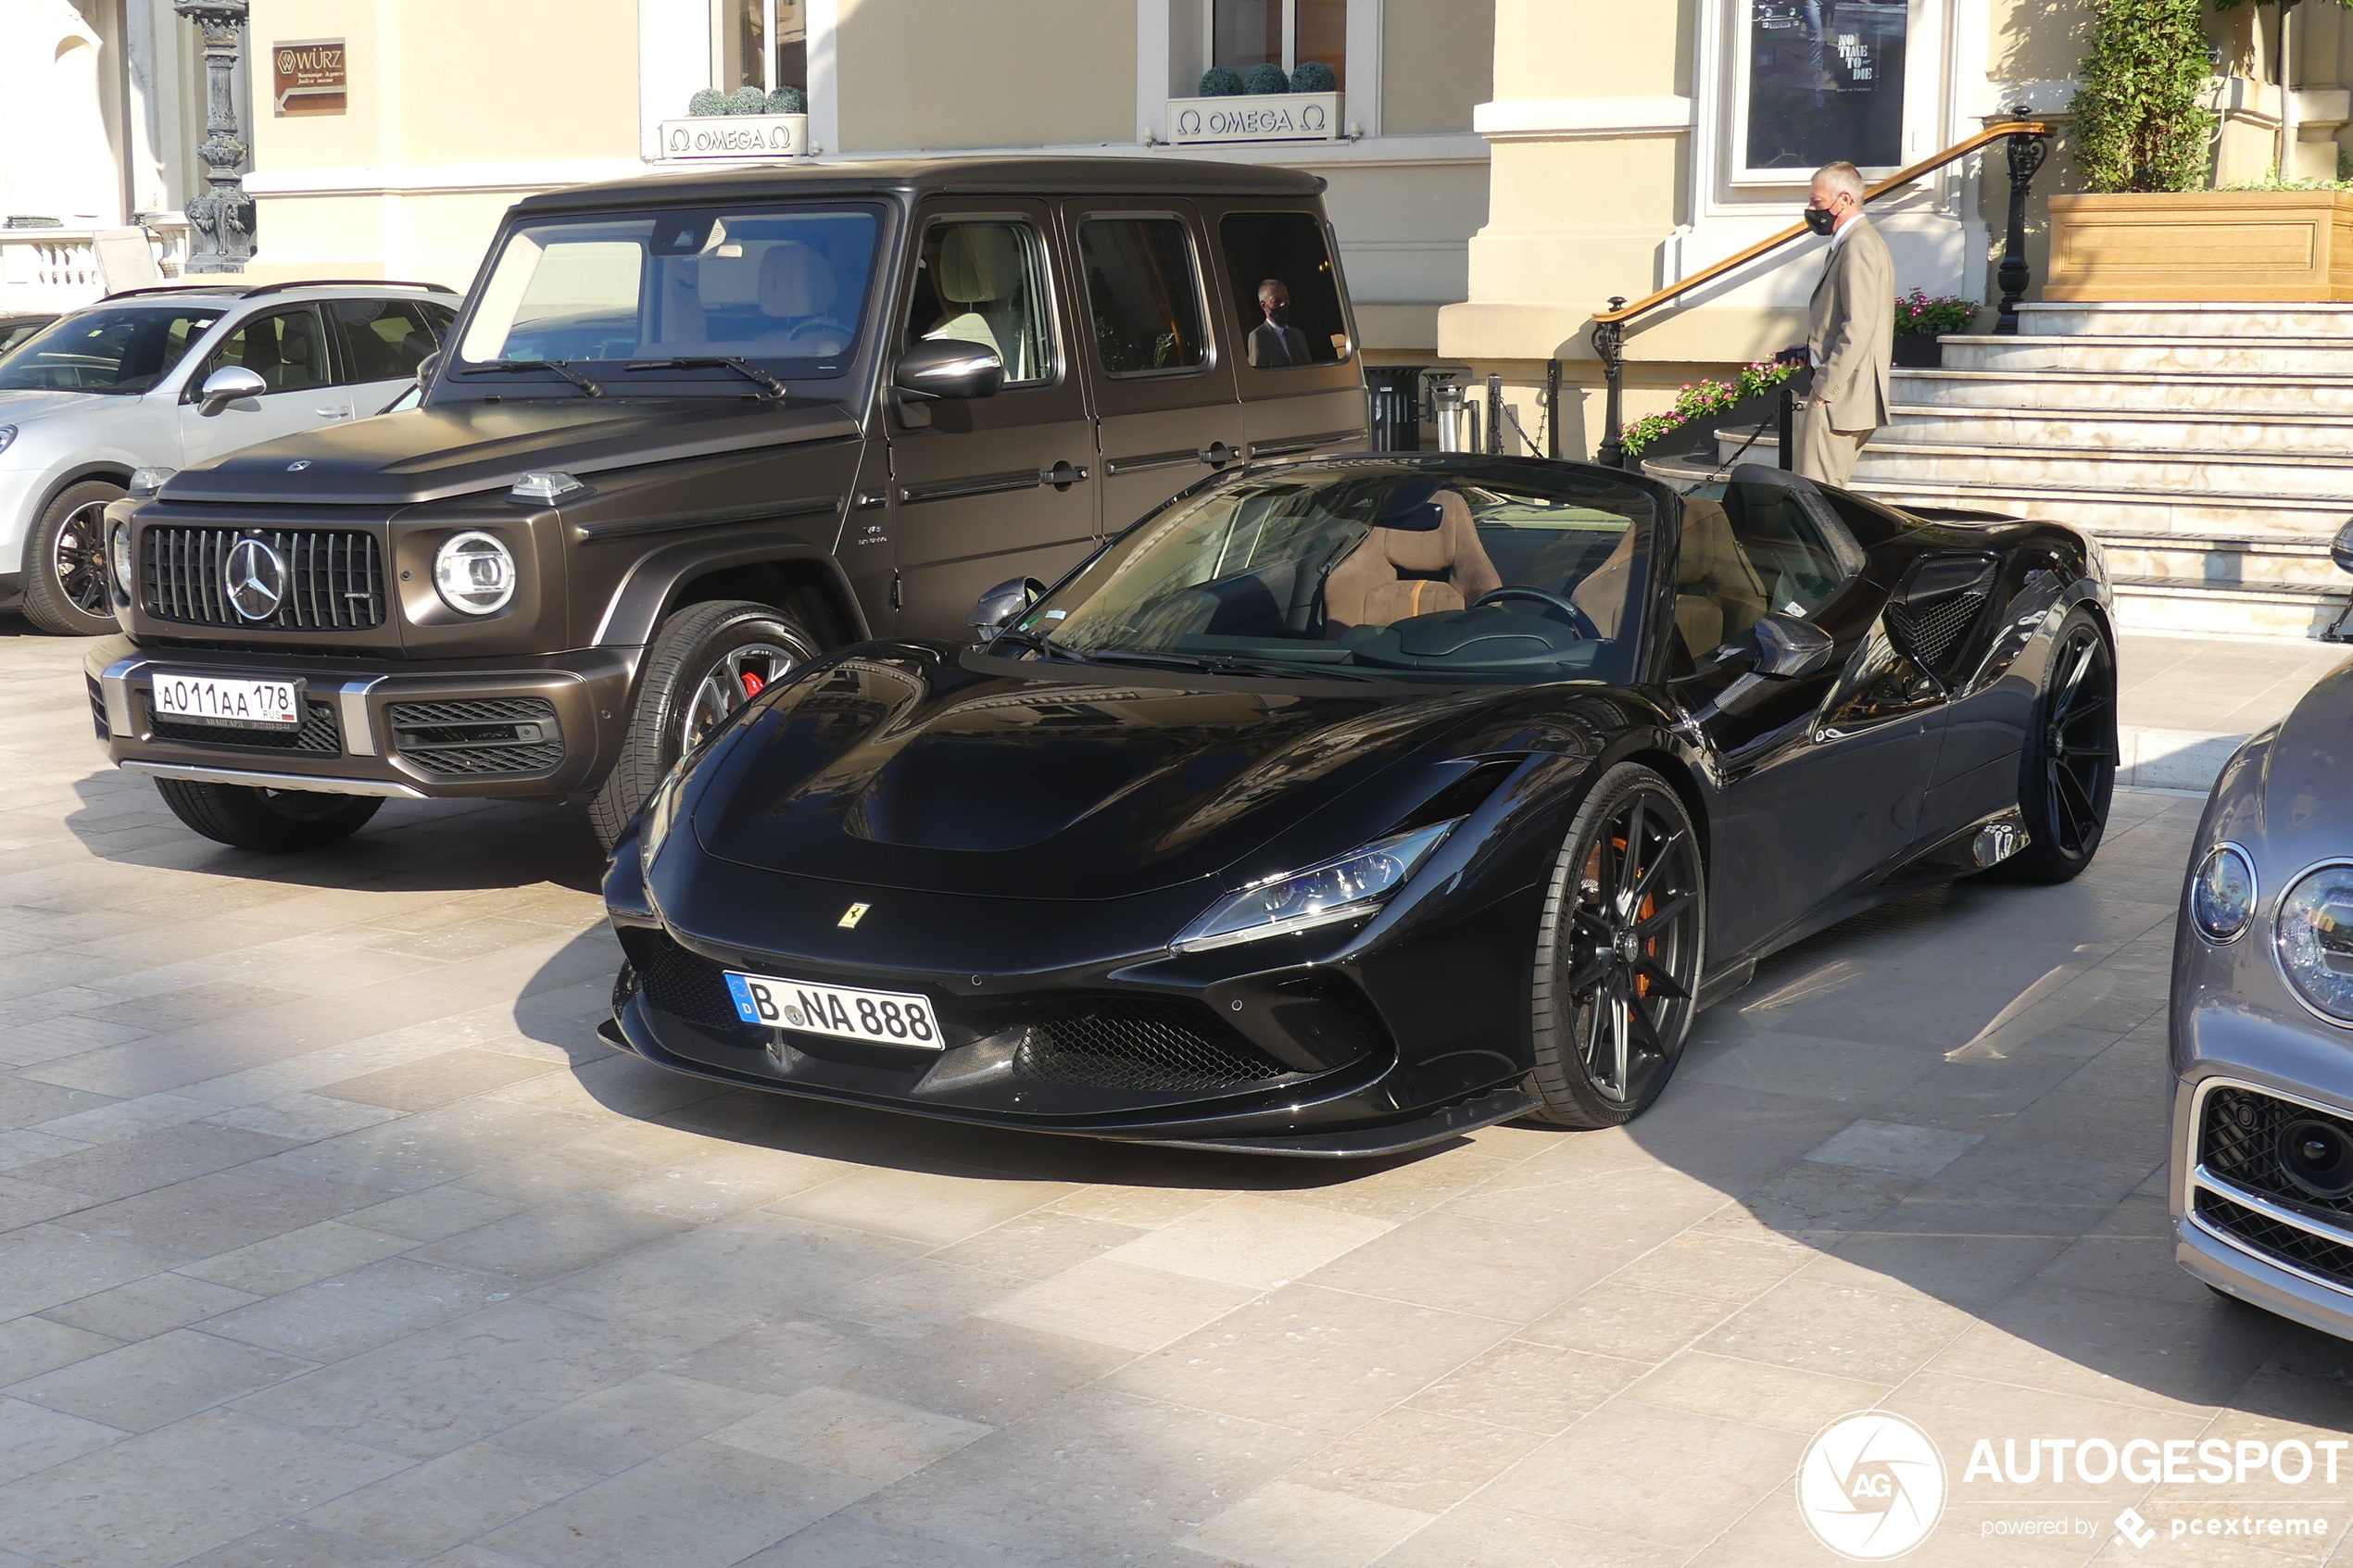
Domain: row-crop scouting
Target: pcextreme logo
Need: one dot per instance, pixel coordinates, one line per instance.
(1871, 1486)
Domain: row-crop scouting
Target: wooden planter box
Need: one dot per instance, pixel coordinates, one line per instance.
(2203, 247)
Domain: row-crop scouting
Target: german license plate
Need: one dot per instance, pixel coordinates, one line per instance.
(889, 1018)
(212, 699)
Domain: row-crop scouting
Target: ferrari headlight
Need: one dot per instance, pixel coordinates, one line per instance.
(2315, 941)
(2223, 894)
(1357, 884)
(474, 573)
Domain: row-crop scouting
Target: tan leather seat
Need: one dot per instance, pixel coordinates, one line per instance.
(1399, 573)
(797, 290)
(979, 269)
(1718, 596)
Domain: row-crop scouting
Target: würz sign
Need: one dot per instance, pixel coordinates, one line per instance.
(308, 76)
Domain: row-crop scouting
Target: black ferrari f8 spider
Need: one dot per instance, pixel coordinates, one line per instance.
(1340, 806)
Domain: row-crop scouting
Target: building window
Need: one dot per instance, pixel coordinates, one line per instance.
(762, 43)
(1243, 33)
(1822, 80)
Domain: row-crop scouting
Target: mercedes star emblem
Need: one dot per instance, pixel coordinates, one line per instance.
(254, 578)
(299, 465)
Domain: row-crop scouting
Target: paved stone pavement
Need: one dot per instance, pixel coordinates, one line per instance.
(330, 1235)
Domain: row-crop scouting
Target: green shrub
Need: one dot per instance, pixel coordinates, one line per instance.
(2140, 124)
(1313, 76)
(1919, 314)
(711, 100)
(1267, 78)
(1220, 81)
(748, 100)
(788, 100)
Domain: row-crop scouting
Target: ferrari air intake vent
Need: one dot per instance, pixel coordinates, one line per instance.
(684, 985)
(317, 735)
(1931, 616)
(1127, 1043)
(2278, 1240)
(2241, 1139)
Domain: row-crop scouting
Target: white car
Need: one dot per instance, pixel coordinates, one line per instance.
(164, 377)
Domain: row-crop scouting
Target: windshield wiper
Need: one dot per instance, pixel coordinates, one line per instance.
(744, 367)
(1044, 645)
(508, 367)
(1226, 664)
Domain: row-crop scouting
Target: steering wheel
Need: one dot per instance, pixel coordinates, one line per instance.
(1579, 621)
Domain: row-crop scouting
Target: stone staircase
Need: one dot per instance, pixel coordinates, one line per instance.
(2210, 447)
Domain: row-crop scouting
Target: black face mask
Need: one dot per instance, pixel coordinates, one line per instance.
(1279, 315)
(1821, 221)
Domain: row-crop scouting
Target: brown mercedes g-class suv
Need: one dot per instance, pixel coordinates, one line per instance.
(687, 433)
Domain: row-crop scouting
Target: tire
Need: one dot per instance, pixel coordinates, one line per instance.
(706, 662)
(66, 592)
(280, 820)
(2066, 769)
(1618, 953)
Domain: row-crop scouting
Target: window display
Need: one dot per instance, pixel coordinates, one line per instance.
(1824, 83)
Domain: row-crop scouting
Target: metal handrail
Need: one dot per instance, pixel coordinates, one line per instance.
(2029, 146)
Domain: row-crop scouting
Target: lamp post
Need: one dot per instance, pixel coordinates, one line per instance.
(222, 219)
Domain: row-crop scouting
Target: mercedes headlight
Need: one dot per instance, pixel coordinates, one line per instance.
(2223, 894)
(2315, 941)
(118, 557)
(1354, 884)
(474, 573)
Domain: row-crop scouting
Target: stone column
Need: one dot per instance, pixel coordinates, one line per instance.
(221, 221)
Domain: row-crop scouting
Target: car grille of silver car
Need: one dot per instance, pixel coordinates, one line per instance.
(332, 578)
(2246, 1192)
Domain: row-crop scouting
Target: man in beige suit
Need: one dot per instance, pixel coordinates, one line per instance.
(1851, 336)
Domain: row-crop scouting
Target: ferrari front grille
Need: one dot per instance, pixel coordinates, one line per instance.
(1123, 1043)
(330, 579)
(2276, 1240)
(2239, 1140)
(684, 985)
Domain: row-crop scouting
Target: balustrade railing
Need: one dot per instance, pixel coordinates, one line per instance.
(60, 269)
(2028, 145)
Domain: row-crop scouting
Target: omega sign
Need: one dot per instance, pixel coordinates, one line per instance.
(743, 136)
(1271, 117)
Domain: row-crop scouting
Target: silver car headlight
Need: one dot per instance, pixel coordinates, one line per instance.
(1357, 884)
(146, 484)
(8, 434)
(474, 573)
(2315, 941)
(2223, 894)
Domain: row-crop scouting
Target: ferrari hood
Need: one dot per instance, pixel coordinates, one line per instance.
(455, 449)
(914, 773)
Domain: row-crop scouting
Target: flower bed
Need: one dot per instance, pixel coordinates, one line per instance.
(1701, 398)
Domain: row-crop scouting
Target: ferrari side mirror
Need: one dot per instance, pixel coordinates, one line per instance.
(2341, 549)
(998, 607)
(1788, 649)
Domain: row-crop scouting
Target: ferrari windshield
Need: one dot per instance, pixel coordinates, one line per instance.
(622, 298)
(1414, 568)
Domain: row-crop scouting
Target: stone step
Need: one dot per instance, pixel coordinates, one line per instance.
(2169, 320)
(2156, 391)
(2219, 561)
(2307, 476)
(2106, 513)
(2291, 356)
(2143, 606)
(2122, 430)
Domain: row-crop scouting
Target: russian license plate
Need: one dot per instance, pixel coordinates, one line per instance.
(890, 1018)
(210, 699)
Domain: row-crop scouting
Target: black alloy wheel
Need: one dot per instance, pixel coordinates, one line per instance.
(277, 821)
(1618, 953)
(706, 664)
(66, 591)
(2067, 774)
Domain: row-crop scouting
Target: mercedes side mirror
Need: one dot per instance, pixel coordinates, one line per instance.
(1789, 649)
(997, 608)
(945, 368)
(2341, 549)
(231, 384)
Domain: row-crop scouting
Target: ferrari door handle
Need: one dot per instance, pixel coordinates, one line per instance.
(1063, 475)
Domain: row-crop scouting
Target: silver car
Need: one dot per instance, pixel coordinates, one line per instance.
(165, 378)
(2261, 1020)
